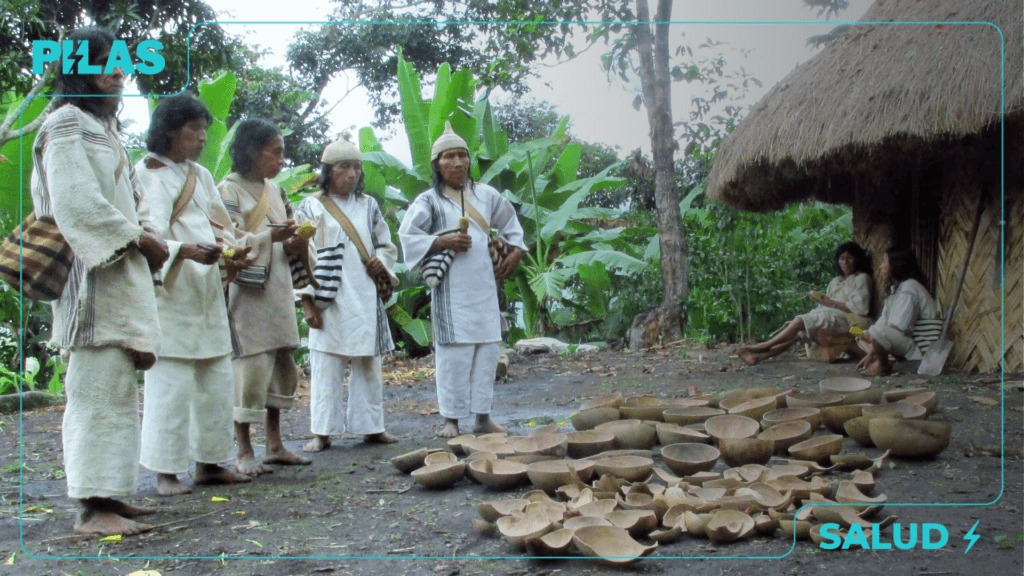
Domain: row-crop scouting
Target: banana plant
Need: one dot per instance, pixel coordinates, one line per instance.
(566, 245)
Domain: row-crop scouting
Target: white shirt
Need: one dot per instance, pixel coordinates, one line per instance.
(464, 307)
(193, 316)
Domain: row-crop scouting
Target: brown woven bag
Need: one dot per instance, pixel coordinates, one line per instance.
(36, 259)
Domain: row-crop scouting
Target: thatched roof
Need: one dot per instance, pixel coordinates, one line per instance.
(880, 91)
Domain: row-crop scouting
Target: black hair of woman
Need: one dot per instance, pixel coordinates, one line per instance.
(903, 265)
(251, 137)
(324, 179)
(860, 257)
(171, 114)
(81, 90)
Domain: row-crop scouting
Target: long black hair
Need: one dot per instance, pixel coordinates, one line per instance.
(903, 266)
(251, 137)
(171, 114)
(862, 262)
(80, 90)
(325, 180)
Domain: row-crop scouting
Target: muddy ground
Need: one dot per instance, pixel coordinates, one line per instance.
(351, 512)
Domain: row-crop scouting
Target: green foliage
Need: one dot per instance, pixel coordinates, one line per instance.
(750, 273)
(566, 245)
(205, 50)
(16, 171)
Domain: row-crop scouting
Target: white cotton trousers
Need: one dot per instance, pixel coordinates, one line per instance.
(101, 423)
(187, 413)
(895, 342)
(465, 378)
(365, 413)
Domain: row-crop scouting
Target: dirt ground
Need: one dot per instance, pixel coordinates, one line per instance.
(352, 513)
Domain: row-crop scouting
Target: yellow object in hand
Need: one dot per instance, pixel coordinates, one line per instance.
(463, 224)
(306, 231)
(856, 331)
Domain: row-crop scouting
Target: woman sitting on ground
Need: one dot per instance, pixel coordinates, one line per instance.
(908, 301)
(828, 324)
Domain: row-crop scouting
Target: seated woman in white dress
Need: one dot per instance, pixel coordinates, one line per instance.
(828, 324)
(907, 302)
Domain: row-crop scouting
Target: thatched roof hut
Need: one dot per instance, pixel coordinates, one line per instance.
(905, 121)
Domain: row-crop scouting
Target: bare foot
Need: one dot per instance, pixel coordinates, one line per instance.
(317, 444)
(106, 517)
(484, 425)
(381, 438)
(212, 474)
(127, 510)
(168, 485)
(877, 369)
(748, 355)
(248, 465)
(285, 458)
(107, 524)
(450, 430)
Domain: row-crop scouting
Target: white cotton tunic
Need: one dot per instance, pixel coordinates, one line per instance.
(355, 322)
(109, 299)
(905, 305)
(108, 305)
(262, 317)
(464, 307)
(853, 290)
(193, 316)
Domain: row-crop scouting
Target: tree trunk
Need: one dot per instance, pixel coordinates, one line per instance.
(656, 84)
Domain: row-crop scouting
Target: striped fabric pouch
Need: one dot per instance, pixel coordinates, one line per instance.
(328, 274)
(925, 332)
(36, 259)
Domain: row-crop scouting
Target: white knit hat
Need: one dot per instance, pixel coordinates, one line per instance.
(446, 141)
(343, 149)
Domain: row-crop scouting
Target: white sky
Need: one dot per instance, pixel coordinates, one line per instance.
(600, 111)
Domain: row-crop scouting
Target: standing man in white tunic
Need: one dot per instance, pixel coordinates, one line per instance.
(348, 325)
(190, 391)
(106, 318)
(464, 305)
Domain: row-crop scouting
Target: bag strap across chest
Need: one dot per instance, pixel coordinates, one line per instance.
(259, 213)
(187, 192)
(346, 225)
(473, 213)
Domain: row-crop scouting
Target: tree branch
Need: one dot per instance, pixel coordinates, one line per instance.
(6, 134)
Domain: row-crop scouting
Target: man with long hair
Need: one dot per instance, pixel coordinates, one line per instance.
(106, 317)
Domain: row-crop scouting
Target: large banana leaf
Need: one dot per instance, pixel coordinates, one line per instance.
(415, 114)
(609, 258)
(217, 95)
(569, 209)
(548, 284)
(443, 102)
(394, 173)
(16, 172)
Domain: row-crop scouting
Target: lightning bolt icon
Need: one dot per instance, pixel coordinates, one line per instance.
(971, 536)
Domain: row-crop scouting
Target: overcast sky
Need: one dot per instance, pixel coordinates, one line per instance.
(774, 35)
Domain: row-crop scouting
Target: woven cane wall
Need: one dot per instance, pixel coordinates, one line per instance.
(975, 330)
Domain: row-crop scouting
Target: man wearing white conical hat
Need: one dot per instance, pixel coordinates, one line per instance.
(464, 304)
(348, 325)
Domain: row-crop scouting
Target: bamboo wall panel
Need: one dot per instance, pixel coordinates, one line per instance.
(975, 330)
